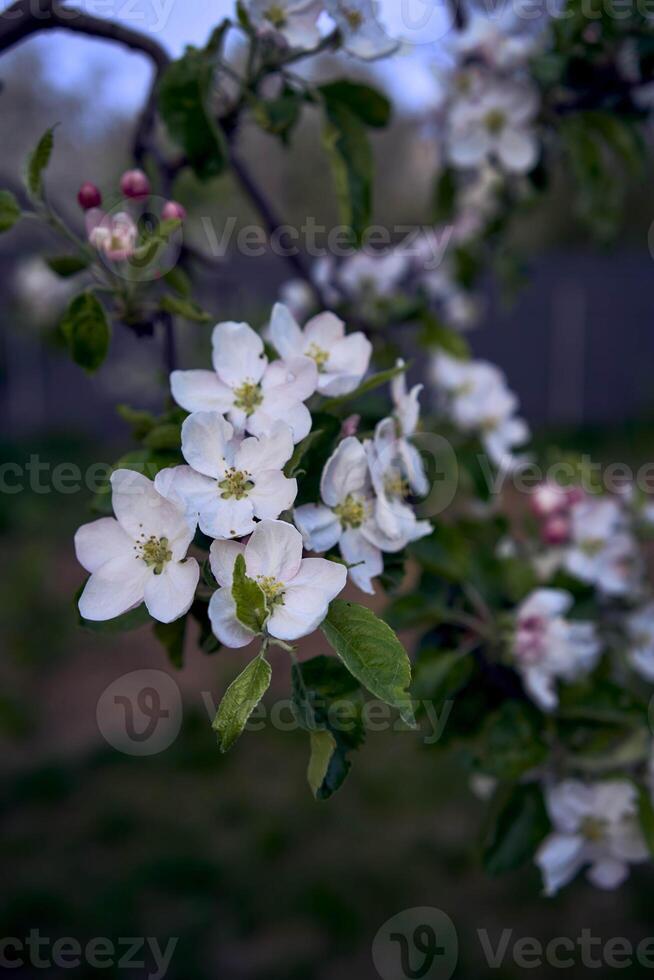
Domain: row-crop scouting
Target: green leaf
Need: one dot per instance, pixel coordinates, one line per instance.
(10, 211)
(184, 93)
(67, 265)
(171, 636)
(445, 196)
(323, 747)
(141, 421)
(346, 141)
(87, 331)
(519, 827)
(436, 334)
(178, 281)
(279, 116)
(365, 102)
(240, 700)
(512, 741)
(376, 381)
(646, 815)
(311, 454)
(37, 163)
(166, 436)
(372, 653)
(186, 308)
(251, 609)
(441, 675)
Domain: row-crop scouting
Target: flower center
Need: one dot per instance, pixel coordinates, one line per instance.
(592, 547)
(236, 484)
(396, 486)
(276, 15)
(248, 397)
(319, 355)
(351, 512)
(155, 553)
(353, 17)
(593, 829)
(495, 121)
(272, 589)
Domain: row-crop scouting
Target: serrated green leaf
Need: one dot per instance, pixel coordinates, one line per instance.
(346, 141)
(186, 308)
(178, 281)
(251, 610)
(10, 211)
(365, 102)
(372, 653)
(37, 163)
(517, 830)
(67, 265)
(376, 381)
(87, 331)
(323, 747)
(240, 700)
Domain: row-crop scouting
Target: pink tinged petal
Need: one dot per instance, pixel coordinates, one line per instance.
(275, 550)
(222, 556)
(205, 443)
(608, 874)
(367, 558)
(238, 354)
(294, 380)
(285, 332)
(229, 518)
(200, 391)
(114, 589)
(560, 858)
(269, 452)
(100, 542)
(273, 493)
(319, 526)
(325, 331)
(170, 595)
(517, 150)
(225, 625)
(345, 473)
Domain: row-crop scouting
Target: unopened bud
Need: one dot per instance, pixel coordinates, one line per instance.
(89, 196)
(135, 184)
(173, 211)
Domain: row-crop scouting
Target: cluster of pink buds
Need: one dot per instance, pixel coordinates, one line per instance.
(551, 504)
(116, 234)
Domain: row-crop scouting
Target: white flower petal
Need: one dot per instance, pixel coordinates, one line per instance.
(560, 857)
(238, 354)
(114, 589)
(325, 331)
(228, 518)
(276, 407)
(367, 558)
(225, 625)
(273, 493)
(200, 391)
(222, 556)
(275, 550)
(345, 473)
(293, 380)
(285, 332)
(517, 150)
(205, 443)
(319, 526)
(268, 452)
(100, 541)
(170, 595)
(143, 512)
(608, 874)
(187, 489)
(545, 602)
(307, 598)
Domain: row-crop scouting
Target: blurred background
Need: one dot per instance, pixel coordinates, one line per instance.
(231, 855)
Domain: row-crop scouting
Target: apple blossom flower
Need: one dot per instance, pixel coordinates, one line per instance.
(362, 32)
(253, 393)
(294, 21)
(406, 415)
(640, 630)
(493, 122)
(138, 556)
(297, 590)
(346, 516)
(230, 481)
(546, 646)
(602, 551)
(494, 40)
(115, 235)
(478, 400)
(391, 480)
(366, 275)
(593, 824)
(342, 361)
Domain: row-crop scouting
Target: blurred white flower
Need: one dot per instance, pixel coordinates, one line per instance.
(495, 40)
(602, 552)
(138, 557)
(594, 825)
(362, 32)
(342, 361)
(297, 590)
(387, 460)
(295, 21)
(229, 481)
(640, 630)
(253, 393)
(546, 646)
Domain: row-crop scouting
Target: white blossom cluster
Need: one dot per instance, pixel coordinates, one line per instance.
(246, 416)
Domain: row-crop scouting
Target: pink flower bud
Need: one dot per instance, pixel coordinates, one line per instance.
(350, 426)
(135, 184)
(89, 196)
(173, 211)
(556, 531)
